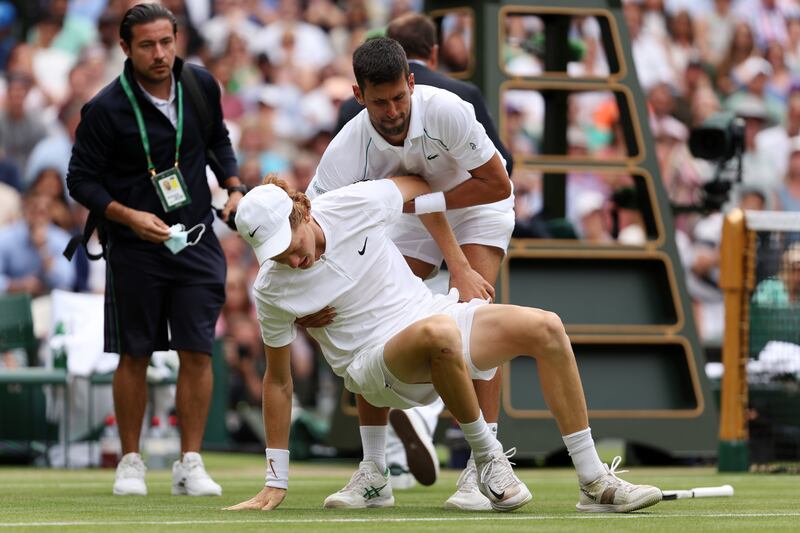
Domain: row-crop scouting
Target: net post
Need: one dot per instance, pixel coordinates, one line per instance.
(734, 279)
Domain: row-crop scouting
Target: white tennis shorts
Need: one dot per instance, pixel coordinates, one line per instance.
(488, 225)
(369, 376)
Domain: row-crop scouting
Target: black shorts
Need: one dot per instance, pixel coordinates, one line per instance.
(159, 301)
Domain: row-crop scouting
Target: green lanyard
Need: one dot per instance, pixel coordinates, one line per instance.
(142, 129)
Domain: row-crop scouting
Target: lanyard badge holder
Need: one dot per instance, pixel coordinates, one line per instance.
(169, 184)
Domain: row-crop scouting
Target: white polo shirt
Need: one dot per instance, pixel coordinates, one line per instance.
(362, 274)
(165, 106)
(444, 142)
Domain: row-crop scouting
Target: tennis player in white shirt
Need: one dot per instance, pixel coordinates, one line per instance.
(429, 132)
(398, 345)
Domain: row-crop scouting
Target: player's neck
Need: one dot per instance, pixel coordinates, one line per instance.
(319, 239)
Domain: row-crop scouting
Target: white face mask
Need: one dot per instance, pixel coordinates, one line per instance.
(179, 237)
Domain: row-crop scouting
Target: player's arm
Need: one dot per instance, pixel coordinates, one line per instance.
(453, 123)
(489, 183)
(470, 283)
(278, 389)
(410, 187)
(277, 403)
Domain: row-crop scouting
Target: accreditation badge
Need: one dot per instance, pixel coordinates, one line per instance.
(171, 189)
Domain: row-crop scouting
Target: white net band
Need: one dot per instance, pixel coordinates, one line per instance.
(772, 220)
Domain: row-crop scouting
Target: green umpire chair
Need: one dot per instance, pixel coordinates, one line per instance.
(24, 429)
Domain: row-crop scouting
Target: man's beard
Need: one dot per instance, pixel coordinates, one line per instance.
(156, 76)
(391, 131)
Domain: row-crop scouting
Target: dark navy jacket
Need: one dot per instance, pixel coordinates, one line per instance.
(109, 163)
(466, 91)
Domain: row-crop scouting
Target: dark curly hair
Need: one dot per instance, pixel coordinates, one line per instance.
(379, 61)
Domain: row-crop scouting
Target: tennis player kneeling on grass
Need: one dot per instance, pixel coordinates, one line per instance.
(398, 345)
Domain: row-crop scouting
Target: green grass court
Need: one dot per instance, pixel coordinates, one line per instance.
(58, 500)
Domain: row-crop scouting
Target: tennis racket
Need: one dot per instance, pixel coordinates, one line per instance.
(699, 492)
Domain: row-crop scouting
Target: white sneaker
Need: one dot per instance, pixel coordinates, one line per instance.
(367, 488)
(129, 479)
(423, 462)
(400, 478)
(498, 482)
(467, 496)
(189, 477)
(610, 494)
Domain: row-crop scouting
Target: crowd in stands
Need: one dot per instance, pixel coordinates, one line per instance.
(694, 59)
(285, 67)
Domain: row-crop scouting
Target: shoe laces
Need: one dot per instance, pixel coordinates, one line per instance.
(132, 466)
(499, 470)
(194, 468)
(468, 480)
(361, 477)
(614, 464)
(612, 479)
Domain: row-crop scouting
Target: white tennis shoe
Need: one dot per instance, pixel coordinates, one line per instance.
(369, 487)
(468, 496)
(497, 481)
(610, 494)
(401, 478)
(129, 478)
(189, 477)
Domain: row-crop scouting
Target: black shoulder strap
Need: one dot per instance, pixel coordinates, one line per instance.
(200, 105)
(89, 228)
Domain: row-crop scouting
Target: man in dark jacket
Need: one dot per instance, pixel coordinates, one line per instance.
(417, 35)
(139, 165)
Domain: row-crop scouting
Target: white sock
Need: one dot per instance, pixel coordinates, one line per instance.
(580, 446)
(493, 429)
(480, 438)
(373, 441)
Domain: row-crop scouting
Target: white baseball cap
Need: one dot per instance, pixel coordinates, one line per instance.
(262, 219)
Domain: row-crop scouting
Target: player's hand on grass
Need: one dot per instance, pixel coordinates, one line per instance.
(471, 285)
(319, 319)
(268, 499)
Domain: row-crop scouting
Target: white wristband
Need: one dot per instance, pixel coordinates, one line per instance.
(430, 203)
(277, 468)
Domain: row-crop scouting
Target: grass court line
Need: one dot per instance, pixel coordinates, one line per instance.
(492, 517)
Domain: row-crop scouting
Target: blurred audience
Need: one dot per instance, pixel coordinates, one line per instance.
(784, 288)
(30, 251)
(20, 129)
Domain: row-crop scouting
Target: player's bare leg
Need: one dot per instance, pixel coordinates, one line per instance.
(411, 455)
(500, 333)
(430, 351)
(486, 261)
